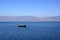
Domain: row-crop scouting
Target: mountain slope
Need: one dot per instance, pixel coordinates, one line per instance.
(28, 18)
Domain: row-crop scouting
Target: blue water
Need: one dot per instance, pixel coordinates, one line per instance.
(33, 31)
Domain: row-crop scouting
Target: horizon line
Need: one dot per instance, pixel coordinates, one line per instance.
(28, 16)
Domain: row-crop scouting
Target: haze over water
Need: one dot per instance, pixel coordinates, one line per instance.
(42, 19)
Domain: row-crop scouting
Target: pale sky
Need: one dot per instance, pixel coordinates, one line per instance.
(39, 8)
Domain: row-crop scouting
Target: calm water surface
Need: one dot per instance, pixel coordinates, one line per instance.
(33, 31)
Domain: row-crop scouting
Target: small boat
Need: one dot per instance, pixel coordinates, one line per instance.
(23, 25)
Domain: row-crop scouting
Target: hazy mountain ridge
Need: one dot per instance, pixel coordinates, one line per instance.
(28, 18)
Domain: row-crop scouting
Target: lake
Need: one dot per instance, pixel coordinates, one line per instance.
(33, 31)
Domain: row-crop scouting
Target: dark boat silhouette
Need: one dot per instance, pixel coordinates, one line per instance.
(23, 25)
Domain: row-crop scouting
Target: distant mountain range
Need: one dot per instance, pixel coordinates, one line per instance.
(29, 18)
